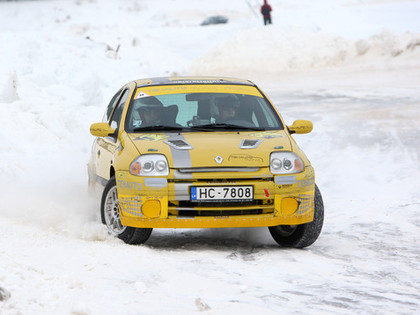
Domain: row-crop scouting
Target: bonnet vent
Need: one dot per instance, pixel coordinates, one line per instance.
(179, 144)
(249, 144)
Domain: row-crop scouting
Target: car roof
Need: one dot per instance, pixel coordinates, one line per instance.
(191, 80)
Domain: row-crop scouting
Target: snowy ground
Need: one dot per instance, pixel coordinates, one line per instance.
(350, 66)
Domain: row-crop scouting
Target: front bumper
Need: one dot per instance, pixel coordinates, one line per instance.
(165, 203)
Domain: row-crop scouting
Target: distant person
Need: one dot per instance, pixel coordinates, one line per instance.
(266, 12)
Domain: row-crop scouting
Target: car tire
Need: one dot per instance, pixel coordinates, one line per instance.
(110, 216)
(303, 235)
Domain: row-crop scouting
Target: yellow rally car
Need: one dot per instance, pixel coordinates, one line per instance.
(202, 152)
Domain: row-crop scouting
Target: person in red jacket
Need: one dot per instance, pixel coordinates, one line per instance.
(266, 12)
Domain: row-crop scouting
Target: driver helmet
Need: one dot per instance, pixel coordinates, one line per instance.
(148, 103)
(223, 104)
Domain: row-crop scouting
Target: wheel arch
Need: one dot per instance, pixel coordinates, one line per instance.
(111, 172)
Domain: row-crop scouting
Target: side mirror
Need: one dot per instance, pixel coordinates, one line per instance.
(301, 127)
(101, 130)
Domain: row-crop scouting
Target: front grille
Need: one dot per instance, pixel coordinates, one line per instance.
(218, 169)
(227, 181)
(213, 213)
(221, 204)
(213, 209)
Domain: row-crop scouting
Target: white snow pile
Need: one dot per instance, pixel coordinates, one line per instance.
(301, 49)
(352, 67)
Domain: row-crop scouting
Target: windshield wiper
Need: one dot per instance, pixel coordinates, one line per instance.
(226, 126)
(158, 128)
(206, 127)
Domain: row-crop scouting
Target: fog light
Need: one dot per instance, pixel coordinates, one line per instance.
(151, 209)
(289, 205)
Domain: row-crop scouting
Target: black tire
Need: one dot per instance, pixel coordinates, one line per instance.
(110, 216)
(303, 235)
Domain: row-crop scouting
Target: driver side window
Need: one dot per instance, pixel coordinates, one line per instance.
(111, 106)
(116, 116)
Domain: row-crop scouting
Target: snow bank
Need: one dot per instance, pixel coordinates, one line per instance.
(274, 50)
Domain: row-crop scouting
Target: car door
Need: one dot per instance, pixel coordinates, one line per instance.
(106, 146)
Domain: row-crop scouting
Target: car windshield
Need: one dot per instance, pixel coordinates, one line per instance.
(202, 111)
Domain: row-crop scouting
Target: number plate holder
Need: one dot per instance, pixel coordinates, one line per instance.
(221, 193)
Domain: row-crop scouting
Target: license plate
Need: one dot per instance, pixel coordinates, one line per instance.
(222, 193)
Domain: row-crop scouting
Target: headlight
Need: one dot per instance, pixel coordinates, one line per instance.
(150, 165)
(285, 163)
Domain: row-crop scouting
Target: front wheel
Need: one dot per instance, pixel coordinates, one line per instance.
(303, 235)
(110, 215)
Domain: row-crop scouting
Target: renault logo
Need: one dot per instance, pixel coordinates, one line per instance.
(218, 159)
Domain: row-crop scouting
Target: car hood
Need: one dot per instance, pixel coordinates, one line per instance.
(213, 149)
